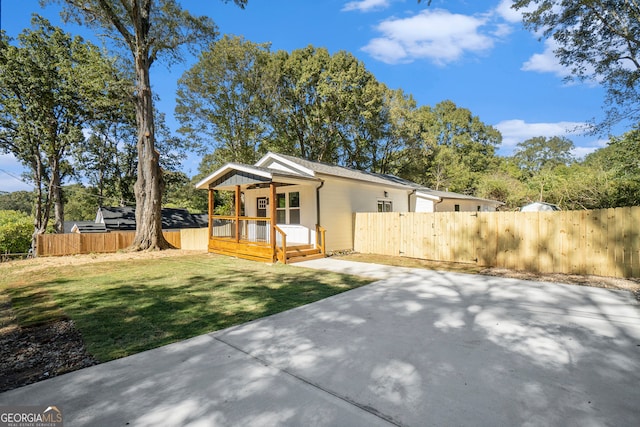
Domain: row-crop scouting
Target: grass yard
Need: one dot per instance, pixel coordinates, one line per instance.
(126, 304)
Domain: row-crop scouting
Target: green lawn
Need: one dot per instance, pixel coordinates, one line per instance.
(127, 306)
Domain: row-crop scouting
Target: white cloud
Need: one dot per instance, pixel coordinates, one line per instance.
(546, 62)
(434, 34)
(502, 30)
(582, 151)
(387, 50)
(505, 11)
(365, 5)
(515, 131)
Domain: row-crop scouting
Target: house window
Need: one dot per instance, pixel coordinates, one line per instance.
(294, 207)
(385, 206)
(456, 208)
(290, 209)
(281, 208)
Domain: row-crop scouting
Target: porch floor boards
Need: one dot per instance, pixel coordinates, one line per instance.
(261, 251)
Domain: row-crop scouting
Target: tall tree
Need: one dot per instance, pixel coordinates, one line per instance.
(220, 99)
(48, 87)
(398, 131)
(541, 152)
(148, 30)
(597, 40)
(621, 160)
(325, 107)
(302, 123)
(21, 201)
(452, 148)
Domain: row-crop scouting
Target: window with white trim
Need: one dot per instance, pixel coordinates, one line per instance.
(385, 206)
(288, 208)
(294, 207)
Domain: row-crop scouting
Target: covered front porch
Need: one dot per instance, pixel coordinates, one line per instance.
(268, 217)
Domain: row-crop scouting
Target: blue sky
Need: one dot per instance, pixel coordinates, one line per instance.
(475, 53)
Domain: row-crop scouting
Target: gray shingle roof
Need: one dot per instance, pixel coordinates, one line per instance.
(342, 171)
(124, 218)
(376, 178)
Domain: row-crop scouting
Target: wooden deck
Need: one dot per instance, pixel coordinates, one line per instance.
(262, 251)
(251, 238)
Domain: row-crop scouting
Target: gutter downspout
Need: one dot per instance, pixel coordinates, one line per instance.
(437, 203)
(409, 197)
(318, 202)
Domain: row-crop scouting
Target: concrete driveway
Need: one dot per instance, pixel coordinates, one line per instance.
(416, 348)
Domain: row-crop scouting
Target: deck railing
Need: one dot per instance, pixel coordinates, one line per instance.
(244, 228)
(257, 232)
(281, 250)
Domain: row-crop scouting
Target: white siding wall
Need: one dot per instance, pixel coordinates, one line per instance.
(448, 205)
(341, 198)
(421, 204)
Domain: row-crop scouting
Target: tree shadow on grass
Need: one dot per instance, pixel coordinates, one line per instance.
(120, 318)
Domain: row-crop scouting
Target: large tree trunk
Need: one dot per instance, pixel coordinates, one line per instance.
(42, 207)
(148, 187)
(56, 194)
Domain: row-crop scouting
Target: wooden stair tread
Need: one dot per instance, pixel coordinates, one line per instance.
(302, 252)
(304, 258)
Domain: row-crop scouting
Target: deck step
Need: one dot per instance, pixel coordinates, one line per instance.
(310, 257)
(299, 253)
(302, 252)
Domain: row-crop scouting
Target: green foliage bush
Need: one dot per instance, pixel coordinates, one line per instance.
(16, 229)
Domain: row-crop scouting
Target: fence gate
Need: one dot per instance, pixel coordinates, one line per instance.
(443, 236)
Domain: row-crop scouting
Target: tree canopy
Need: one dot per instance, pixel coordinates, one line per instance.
(148, 30)
(51, 85)
(598, 40)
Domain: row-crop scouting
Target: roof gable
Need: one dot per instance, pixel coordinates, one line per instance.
(284, 163)
(226, 172)
(239, 178)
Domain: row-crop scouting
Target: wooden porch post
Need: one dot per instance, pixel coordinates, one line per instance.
(212, 207)
(272, 213)
(238, 202)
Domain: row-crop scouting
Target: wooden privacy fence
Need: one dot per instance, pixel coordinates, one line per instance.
(74, 243)
(603, 242)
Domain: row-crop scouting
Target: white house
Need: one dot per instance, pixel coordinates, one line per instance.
(313, 205)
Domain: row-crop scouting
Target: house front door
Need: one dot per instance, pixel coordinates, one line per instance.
(262, 232)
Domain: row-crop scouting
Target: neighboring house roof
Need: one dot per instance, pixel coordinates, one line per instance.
(201, 219)
(173, 218)
(83, 227)
(124, 218)
(117, 218)
(539, 207)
